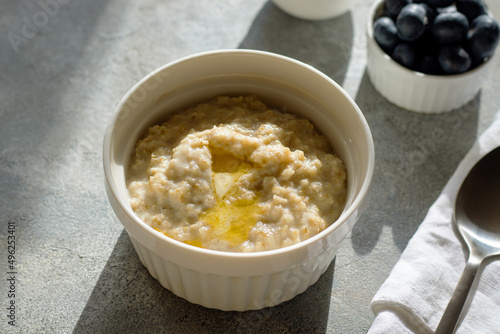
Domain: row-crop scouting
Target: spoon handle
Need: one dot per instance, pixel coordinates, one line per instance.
(453, 310)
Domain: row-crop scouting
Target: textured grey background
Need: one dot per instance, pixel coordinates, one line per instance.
(65, 64)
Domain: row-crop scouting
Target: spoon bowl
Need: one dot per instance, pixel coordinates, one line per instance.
(477, 221)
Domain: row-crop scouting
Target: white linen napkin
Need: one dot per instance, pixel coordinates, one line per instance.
(417, 291)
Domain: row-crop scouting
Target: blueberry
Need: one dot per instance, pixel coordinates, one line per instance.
(411, 22)
(431, 13)
(471, 8)
(453, 59)
(393, 7)
(483, 36)
(405, 54)
(439, 3)
(448, 9)
(428, 64)
(437, 37)
(385, 33)
(450, 27)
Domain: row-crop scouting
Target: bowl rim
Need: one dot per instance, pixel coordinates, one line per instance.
(373, 13)
(108, 144)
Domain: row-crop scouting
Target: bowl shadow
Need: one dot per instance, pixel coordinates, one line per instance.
(325, 45)
(127, 299)
(420, 153)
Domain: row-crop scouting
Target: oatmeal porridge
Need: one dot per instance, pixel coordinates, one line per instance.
(233, 174)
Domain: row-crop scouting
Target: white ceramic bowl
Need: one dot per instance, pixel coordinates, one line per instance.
(417, 91)
(314, 9)
(224, 280)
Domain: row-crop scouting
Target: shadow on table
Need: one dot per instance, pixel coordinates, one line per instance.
(415, 156)
(325, 45)
(126, 299)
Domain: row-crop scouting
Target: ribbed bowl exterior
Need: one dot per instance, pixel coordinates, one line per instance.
(233, 293)
(416, 91)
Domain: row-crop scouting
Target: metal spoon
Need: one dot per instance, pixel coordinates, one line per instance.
(477, 220)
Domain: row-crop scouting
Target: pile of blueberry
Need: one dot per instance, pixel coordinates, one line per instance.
(437, 37)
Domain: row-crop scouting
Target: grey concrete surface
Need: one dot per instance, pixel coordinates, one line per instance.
(65, 64)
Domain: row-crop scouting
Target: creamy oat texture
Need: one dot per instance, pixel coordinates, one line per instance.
(232, 174)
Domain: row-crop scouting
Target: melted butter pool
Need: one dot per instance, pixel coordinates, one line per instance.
(232, 217)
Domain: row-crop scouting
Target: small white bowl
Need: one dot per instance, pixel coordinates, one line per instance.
(225, 280)
(417, 91)
(314, 9)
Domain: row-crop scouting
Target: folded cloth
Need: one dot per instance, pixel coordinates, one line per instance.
(418, 289)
